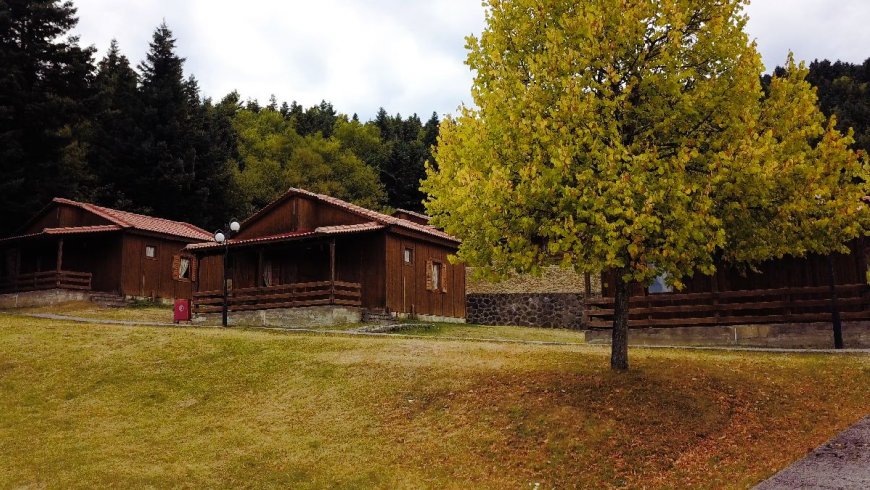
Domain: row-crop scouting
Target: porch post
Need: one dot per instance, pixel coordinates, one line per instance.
(59, 260)
(332, 271)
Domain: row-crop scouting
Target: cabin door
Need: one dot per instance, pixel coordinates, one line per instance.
(409, 278)
(149, 282)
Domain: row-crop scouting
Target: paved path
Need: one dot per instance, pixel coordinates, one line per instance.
(841, 463)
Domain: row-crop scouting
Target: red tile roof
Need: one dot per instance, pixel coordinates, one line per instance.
(81, 229)
(70, 230)
(414, 214)
(345, 229)
(141, 222)
(359, 211)
(293, 235)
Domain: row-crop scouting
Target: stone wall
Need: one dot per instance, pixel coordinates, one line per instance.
(553, 279)
(312, 316)
(856, 335)
(49, 297)
(554, 310)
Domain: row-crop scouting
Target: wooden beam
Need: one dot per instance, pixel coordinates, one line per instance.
(59, 260)
(332, 270)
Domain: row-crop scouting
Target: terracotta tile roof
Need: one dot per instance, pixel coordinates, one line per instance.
(414, 213)
(70, 230)
(293, 235)
(344, 229)
(125, 219)
(362, 212)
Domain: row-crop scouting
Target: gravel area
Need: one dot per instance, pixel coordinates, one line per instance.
(841, 463)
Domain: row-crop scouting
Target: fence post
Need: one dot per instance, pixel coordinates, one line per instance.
(332, 271)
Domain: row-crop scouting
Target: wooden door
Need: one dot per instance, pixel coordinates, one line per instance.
(149, 282)
(409, 278)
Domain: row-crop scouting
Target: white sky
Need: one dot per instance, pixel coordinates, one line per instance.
(405, 55)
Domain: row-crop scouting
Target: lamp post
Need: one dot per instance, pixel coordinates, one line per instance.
(224, 238)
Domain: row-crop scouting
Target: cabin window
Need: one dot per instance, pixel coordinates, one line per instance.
(436, 276)
(184, 268)
(660, 285)
(409, 255)
(150, 251)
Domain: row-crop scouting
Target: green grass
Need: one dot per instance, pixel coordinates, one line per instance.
(467, 331)
(102, 405)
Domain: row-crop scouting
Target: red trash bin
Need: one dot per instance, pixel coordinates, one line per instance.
(182, 310)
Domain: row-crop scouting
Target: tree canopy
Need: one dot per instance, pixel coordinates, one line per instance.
(636, 137)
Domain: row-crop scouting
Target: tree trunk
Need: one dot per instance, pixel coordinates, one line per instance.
(619, 342)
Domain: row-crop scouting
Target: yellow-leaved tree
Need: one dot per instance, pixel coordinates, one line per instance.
(636, 137)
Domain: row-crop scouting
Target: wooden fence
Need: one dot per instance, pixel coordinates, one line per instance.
(40, 281)
(787, 305)
(283, 296)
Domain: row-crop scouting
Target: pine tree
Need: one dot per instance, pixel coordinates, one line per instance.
(44, 99)
(115, 134)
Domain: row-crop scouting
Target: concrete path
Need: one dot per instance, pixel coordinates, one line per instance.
(99, 321)
(841, 463)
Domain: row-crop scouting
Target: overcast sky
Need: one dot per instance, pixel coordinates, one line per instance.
(405, 55)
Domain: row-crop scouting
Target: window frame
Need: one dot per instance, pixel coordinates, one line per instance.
(437, 276)
(152, 247)
(189, 260)
(408, 255)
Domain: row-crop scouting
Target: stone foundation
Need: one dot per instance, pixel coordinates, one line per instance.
(553, 310)
(311, 316)
(49, 297)
(856, 335)
(431, 318)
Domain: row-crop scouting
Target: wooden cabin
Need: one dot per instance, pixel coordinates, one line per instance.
(789, 290)
(306, 249)
(77, 246)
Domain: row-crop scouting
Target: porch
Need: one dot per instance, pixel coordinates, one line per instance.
(746, 307)
(320, 293)
(295, 272)
(41, 281)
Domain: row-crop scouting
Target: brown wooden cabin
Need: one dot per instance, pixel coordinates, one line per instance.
(80, 246)
(788, 290)
(307, 249)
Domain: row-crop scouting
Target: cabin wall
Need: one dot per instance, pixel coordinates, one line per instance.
(361, 259)
(406, 283)
(151, 277)
(62, 215)
(788, 272)
(99, 254)
(298, 213)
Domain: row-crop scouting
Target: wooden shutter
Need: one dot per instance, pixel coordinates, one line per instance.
(193, 264)
(443, 275)
(429, 275)
(176, 265)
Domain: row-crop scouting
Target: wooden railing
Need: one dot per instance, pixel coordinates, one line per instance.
(39, 281)
(789, 305)
(283, 296)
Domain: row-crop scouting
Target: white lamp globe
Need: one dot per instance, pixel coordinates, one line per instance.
(219, 237)
(235, 226)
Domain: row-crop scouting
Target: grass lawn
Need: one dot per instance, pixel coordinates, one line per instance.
(103, 405)
(466, 331)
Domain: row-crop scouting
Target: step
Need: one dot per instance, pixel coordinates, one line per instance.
(377, 317)
(109, 300)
